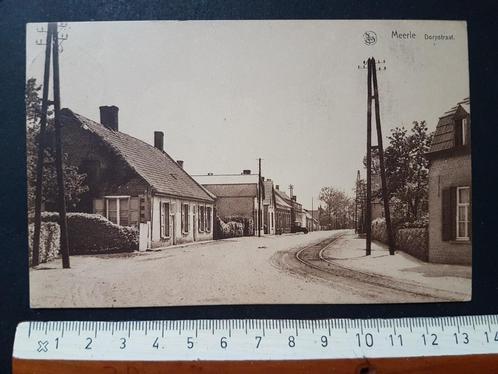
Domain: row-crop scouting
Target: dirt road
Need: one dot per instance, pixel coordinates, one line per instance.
(237, 271)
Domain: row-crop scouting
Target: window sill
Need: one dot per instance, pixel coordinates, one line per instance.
(460, 241)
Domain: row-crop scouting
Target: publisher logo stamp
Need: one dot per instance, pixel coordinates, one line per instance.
(370, 37)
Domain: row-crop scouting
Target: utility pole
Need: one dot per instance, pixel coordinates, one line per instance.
(59, 153)
(356, 200)
(372, 84)
(51, 50)
(369, 160)
(293, 210)
(41, 152)
(312, 216)
(260, 185)
(385, 196)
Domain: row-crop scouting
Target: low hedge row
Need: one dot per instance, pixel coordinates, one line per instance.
(410, 238)
(50, 234)
(92, 233)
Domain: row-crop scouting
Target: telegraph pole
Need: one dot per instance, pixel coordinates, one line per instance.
(41, 152)
(59, 154)
(260, 185)
(369, 160)
(51, 51)
(372, 84)
(312, 215)
(385, 196)
(356, 221)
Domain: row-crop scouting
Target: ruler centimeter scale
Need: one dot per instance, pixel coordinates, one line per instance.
(257, 339)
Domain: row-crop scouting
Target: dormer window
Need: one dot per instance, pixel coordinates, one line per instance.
(461, 127)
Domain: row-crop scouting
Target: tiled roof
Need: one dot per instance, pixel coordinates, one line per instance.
(233, 190)
(157, 168)
(226, 179)
(444, 136)
(281, 198)
(281, 203)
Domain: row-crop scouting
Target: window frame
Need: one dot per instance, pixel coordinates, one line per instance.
(466, 220)
(208, 221)
(201, 220)
(164, 219)
(464, 131)
(185, 218)
(118, 204)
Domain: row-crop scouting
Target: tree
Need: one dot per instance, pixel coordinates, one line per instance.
(74, 182)
(338, 207)
(407, 169)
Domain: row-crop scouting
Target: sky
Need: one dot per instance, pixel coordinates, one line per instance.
(226, 93)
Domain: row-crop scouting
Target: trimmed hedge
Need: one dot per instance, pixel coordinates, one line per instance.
(414, 241)
(412, 238)
(50, 234)
(93, 233)
(230, 229)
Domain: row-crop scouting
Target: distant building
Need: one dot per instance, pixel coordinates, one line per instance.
(269, 210)
(133, 183)
(283, 208)
(236, 195)
(450, 188)
(311, 222)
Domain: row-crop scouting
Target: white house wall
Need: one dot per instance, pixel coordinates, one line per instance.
(175, 227)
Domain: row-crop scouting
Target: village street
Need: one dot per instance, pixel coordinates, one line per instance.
(267, 270)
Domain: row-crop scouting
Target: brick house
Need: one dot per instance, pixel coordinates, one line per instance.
(450, 183)
(133, 183)
(236, 195)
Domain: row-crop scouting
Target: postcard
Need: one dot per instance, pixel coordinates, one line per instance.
(248, 162)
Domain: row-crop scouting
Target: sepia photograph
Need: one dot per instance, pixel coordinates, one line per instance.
(248, 162)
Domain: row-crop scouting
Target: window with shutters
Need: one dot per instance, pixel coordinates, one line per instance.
(185, 218)
(208, 219)
(165, 220)
(463, 213)
(202, 218)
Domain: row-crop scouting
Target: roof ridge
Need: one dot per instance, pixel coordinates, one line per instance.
(124, 137)
(112, 146)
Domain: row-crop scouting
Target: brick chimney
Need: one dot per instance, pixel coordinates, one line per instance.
(180, 163)
(109, 117)
(246, 172)
(159, 140)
